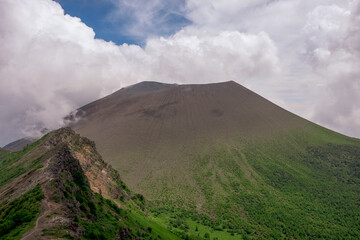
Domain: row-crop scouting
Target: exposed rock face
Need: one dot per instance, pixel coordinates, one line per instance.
(66, 163)
(101, 176)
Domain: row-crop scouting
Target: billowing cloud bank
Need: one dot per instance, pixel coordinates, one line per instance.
(301, 54)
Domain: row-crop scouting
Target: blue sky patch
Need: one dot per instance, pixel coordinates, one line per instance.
(118, 21)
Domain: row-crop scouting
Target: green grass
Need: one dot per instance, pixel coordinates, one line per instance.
(135, 218)
(190, 226)
(18, 216)
(11, 166)
(302, 186)
(103, 219)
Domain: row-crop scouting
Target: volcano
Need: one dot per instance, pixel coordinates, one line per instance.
(225, 153)
(154, 129)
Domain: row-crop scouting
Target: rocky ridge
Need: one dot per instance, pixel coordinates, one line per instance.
(66, 165)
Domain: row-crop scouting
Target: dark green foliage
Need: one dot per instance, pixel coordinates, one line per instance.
(102, 219)
(179, 222)
(80, 181)
(122, 185)
(321, 201)
(17, 216)
(105, 223)
(116, 177)
(139, 200)
(295, 187)
(340, 161)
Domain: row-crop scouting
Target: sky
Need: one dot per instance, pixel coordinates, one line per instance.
(56, 56)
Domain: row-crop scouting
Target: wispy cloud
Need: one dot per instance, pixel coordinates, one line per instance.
(145, 18)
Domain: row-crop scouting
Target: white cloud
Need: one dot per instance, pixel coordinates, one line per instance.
(50, 63)
(334, 41)
(203, 57)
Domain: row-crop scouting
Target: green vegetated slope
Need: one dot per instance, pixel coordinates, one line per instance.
(218, 161)
(11, 166)
(303, 186)
(47, 192)
(18, 216)
(292, 187)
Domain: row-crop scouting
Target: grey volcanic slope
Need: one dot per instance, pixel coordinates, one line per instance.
(153, 130)
(19, 144)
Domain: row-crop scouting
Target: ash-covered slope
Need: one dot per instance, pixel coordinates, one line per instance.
(19, 144)
(151, 129)
(150, 114)
(60, 188)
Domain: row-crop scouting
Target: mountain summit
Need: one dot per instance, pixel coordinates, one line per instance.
(168, 122)
(158, 112)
